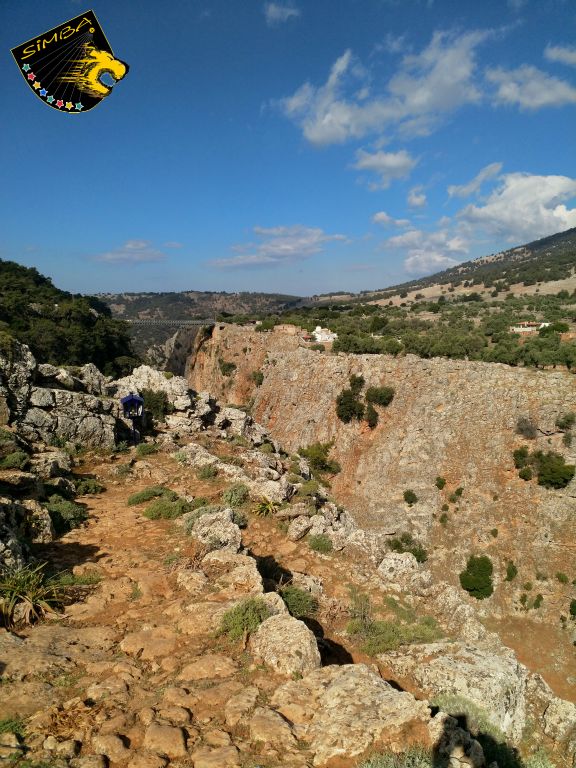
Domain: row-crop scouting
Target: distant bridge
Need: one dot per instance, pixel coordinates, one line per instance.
(171, 323)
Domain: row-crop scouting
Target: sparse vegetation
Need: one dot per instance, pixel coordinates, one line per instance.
(317, 455)
(320, 543)
(166, 508)
(380, 395)
(146, 449)
(65, 514)
(15, 460)
(371, 416)
(89, 486)
(526, 427)
(26, 593)
(550, 468)
(477, 578)
(226, 368)
(244, 618)
(566, 421)
(562, 577)
(236, 495)
(266, 508)
(298, 601)
(152, 492)
(257, 377)
(511, 571)
(414, 757)
(207, 472)
(406, 543)
(440, 483)
(156, 404)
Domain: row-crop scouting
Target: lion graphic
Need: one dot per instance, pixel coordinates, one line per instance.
(86, 72)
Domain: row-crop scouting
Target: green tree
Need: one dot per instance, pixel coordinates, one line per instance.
(477, 578)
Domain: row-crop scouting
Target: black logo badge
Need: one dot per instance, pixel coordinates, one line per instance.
(68, 66)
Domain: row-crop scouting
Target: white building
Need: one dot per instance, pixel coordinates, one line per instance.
(324, 334)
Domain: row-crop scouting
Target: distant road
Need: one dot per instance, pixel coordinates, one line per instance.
(171, 323)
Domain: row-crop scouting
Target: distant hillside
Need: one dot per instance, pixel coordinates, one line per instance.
(551, 259)
(59, 327)
(195, 304)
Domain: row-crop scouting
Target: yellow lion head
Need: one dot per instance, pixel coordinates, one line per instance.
(86, 72)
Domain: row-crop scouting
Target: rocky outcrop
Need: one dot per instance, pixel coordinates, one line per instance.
(22, 523)
(144, 377)
(286, 645)
(17, 368)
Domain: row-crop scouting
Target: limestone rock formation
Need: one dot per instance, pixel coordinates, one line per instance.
(286, 645)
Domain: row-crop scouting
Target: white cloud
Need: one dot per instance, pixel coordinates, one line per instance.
(428, 252)
(425, 87)
(386, 220)
(465, 190)
(564, 54)
(132, 252)
(530, 88)
(387, 165)
(172, 244)
(416, 198)
(279, 245)
(525, 207)
(427, 262)
(275, 13)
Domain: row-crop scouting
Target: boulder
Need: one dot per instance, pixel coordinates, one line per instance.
(286, 645)
(342, 711)
(217, 531)
(298, 528)
(396, 568)
(145, 377)
(17, 370)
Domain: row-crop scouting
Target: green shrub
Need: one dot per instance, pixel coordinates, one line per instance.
(410, 497)
(152, 492)
(562, 577)
(207, 472)
(525, 473)
(520, 456)
(511, 571)
(309, 488)
(239, 518)
(65, 514)
(444, 519)
(440, 483)
(318, 347)
(199, 501)
(168, 375)
(406, 543)
(15, 460)
(27, 591)
(236, 495)
(267, 448)
(257, 377)
(156, 403)
(477, 578)
(526, 428)
(298, 601)
(458, 492)
(445, 508)
(348, 406)
(380, 395)
(244, 618)
(494, 532)
(552, 470)
(146, 449)
(383, 636)
(573, 608)
(266, 508)
(538, 759)
(320, 543)
(165, 508)
(13, 725)
(226, 368)
(356, 383)
(317, 455)
(527, 586)
(538, 600)
(371, 416)
(89, 486)
(566, 421)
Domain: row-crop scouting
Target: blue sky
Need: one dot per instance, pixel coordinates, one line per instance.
(301, 147)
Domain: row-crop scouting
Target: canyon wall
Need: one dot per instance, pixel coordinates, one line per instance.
(449, 418)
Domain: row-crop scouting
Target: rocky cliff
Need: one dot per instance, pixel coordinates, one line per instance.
(451, 419)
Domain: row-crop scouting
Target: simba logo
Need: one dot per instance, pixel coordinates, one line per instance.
(71, 67)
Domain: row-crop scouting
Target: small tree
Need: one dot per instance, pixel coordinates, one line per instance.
(440, 483)
(410, 497)
(526, 428)
(380, 395)
(477, 578)
(348, 406)
(371, 416)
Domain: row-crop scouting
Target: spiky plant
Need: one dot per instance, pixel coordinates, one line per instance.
(26, 595)
(266, 507)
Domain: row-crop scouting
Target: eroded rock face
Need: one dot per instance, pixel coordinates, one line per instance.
(496, 682)
(341, 711)
(286, 645)
(17, 369)
(20, 522)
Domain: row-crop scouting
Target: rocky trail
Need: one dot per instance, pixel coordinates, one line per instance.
(134, 674)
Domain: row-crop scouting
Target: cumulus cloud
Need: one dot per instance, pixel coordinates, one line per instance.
(428, 252)
(465, 190)
(279, 245)
(132, 252)
(416, 198)
(386, 220)
(525, 207)
(387, 165)
(530, 88)
(275, 13)
(426, 86)
(564, 54)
